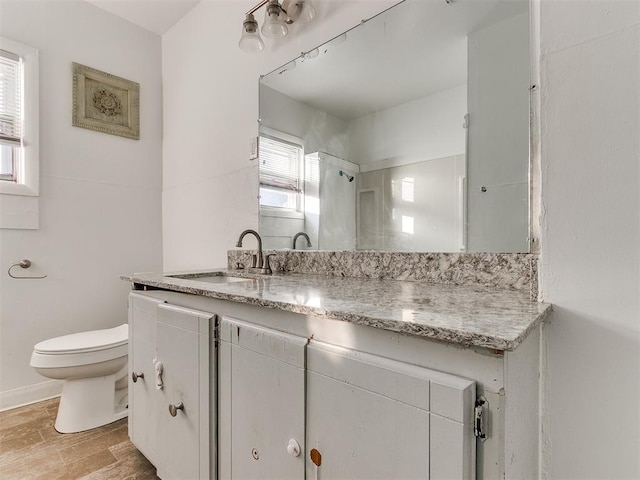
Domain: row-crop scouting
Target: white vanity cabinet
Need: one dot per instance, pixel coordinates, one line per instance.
(169, 418)
(365, 416)
(374, 418)
(262, 402)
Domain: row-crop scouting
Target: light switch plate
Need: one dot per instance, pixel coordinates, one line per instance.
(253, 148)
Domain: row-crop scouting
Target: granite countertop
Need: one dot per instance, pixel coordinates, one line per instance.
(473, 316)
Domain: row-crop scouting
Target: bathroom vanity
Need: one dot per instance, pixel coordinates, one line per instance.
(295, 376)
(385, 361)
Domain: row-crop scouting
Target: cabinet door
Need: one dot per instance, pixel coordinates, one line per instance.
(184, 349)
(142, 393)
(262, 402)
(373, 418)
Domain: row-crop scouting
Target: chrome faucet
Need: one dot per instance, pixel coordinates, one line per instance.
(301, 234)
(262, 263)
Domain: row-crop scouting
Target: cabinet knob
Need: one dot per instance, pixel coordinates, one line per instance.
(316, 457)
(135, 376)
(173, 409)
(293, 448)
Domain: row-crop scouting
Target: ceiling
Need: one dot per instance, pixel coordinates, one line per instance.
(157, 16)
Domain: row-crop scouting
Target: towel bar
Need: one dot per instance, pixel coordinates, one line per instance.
(22, 264)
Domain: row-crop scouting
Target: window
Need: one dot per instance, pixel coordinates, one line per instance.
(18, 119)
(281, 174)
(10, 115)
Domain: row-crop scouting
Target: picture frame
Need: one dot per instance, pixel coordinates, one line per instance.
(105, 103)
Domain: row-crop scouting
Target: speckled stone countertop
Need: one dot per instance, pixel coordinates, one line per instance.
(467, 315)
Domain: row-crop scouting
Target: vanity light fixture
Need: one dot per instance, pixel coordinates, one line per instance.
(277, 17)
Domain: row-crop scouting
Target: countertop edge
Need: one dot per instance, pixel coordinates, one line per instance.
(439, 333)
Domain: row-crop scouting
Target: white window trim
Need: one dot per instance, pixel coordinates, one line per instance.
(28, 183)
(266, 211)
(277, 134)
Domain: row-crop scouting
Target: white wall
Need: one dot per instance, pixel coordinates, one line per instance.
(210, 113)
(319, 131)
(590, 117)
(424, 129)
(277, 231)
(100, 195)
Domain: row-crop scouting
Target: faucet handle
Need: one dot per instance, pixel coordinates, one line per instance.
(266, 268)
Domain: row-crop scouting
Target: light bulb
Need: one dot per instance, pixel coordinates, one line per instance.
(274, 26)
(307, 12)
(250, 40)
(299, 10)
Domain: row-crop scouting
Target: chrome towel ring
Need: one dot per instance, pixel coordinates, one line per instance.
(22, 264)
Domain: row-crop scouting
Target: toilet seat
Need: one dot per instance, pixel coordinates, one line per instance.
(84, 348)
(85, 342)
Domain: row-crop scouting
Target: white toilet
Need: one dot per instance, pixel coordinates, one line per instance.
(93, 366)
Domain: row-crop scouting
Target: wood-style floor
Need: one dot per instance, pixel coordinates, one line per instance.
(30, 448)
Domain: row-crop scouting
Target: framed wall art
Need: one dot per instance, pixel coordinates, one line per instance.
(105, 103)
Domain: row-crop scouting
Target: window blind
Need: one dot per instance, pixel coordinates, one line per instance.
(280, 164)
(10, 98)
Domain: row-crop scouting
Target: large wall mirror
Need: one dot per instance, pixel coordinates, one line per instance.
(409, 132)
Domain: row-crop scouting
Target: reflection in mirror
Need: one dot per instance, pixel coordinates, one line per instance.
(409, 132)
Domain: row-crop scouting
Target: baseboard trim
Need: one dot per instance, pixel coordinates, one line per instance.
(38, 392)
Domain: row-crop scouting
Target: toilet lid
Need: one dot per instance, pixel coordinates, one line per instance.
(85, 341)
